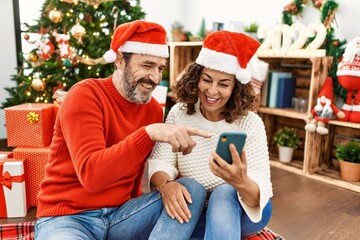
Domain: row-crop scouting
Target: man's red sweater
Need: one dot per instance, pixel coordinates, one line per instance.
(98, 151)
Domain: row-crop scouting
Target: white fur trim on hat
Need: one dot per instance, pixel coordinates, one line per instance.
(159, 50)
(224, 63)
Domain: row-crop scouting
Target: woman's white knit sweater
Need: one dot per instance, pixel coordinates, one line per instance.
(196, 164)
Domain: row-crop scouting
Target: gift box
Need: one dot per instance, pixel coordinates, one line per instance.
(12, 188)
(30, 124)
(6, 154)
(35, 169)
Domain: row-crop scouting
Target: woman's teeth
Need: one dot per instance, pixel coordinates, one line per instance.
(211, 99)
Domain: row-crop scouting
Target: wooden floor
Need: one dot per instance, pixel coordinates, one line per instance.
(306, 209)
(303, 209)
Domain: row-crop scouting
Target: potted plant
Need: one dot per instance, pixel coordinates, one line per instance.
(348, 155)
(252, 29)
(177, 32)
(287, 141)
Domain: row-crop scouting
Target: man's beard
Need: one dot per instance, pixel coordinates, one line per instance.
(131, 90)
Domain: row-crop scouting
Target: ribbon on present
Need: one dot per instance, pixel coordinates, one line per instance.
(59, 95)
(32, 117)
(6, 180)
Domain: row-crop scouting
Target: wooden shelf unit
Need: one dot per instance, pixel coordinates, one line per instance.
(315, 158)
(318, 156)
(181, 55)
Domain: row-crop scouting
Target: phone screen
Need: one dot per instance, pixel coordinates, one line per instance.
(222, 148)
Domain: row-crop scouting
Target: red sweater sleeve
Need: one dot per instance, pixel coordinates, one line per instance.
(98, 150)
(103, 144)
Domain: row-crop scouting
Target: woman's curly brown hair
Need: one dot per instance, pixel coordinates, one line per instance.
(242, 100)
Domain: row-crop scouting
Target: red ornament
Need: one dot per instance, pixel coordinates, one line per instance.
(318, 3)
(26, 36)
(336, 43)
(44, 30)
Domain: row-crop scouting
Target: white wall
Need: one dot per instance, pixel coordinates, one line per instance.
(7, 56)
(191, 12)
(29, 12)
(188, 12)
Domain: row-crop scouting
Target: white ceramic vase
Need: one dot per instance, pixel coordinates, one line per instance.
(285, 154)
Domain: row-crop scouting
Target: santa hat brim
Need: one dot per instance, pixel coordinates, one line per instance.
(159, 50)
(224, 63)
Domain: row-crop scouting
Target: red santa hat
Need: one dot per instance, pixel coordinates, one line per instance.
(327, 89)
(228, 52)
(139, 37)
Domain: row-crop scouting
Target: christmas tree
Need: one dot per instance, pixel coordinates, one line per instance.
(72, 36)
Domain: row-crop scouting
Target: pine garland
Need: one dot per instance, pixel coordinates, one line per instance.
(328, 12)
(334, 47)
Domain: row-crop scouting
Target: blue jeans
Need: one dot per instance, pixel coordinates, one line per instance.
(224, 218)
(143, 217)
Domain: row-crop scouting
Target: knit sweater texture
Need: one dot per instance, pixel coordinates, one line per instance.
(98, 150)
(196, 164)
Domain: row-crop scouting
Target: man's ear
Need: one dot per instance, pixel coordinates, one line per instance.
(119, 60)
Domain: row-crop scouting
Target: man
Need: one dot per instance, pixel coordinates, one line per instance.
(104, 132)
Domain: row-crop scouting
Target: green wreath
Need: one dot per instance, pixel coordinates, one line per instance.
(334, 47)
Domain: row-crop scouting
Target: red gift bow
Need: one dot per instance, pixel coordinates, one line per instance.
(6, 180)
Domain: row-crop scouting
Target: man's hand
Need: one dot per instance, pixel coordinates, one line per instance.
(179, 137)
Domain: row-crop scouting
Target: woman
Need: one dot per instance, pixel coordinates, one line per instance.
(214, 95)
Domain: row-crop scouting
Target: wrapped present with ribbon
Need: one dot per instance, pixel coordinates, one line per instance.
(58, 97)
(30, 124)
(12, 188)
(36, 160)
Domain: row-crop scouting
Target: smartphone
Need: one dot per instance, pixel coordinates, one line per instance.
(225, 138)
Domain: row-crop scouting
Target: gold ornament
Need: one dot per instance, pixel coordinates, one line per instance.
(55, 16)
(78, 31)
(33, 57)
(37, 84)
(32, 117)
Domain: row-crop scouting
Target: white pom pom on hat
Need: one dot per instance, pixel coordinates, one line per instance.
(110, 56)
(139, 37)
(228, 52)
